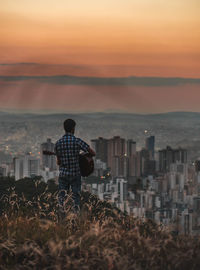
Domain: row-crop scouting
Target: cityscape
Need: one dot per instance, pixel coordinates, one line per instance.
(127, 73)
(162, 185)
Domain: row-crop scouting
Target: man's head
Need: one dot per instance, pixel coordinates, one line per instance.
(69, 125)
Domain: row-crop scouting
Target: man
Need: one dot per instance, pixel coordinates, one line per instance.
(67, 150)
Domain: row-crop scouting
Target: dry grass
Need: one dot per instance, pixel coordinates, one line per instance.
(100, 237)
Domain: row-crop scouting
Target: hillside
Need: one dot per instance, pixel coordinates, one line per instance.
(101, 237)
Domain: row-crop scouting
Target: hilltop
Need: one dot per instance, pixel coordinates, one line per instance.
(101, 237)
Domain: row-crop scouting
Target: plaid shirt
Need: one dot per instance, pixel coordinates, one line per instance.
(67, 150)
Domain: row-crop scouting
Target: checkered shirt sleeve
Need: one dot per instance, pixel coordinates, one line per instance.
(83, 145)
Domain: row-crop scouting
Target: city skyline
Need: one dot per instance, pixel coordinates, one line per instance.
(164, 189)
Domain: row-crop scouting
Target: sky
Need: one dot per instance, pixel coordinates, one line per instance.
(108, 55)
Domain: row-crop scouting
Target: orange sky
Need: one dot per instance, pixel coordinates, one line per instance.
(107, 38)
(146, 37)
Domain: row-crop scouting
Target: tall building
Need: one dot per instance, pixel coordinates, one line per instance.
(48, 161)
(168, 156)
(150, 146)
(131, 148)
(18, 168)
(27, 166)
(116, 147)
(31, 166)
(144, 165)
(122, 189)
(144, 158)
(197, 166)
(132, 168)
(100, 146)
(138, 164)
(4, 170)
(120, 166)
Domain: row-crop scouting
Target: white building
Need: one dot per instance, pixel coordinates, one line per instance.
(48, 174)
(121, 184)
(27, 166)
(99, 167)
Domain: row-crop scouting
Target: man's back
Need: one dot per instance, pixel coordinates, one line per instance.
(67, 150)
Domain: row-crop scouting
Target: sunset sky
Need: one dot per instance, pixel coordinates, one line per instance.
(52, 51)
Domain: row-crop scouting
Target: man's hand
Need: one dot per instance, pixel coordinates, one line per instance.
(91, 152)
(58, 161)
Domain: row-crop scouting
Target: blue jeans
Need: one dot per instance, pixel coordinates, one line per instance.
(64, 185)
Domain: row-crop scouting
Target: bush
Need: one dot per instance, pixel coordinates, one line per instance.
(100, 237)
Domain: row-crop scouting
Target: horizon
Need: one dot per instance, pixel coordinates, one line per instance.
(31, 112)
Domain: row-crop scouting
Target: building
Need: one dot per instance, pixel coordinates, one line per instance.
(48, 161)
(47, 174)
(197, 166)
(168, 156)
(122, 189)
(4, 169)
(120, 166)
(131, 148)
(132, 166)
(99, 168)
(150, 146)
(18, 168)
(145, 163)
(27, 166)
(116, 147)
(100, 146)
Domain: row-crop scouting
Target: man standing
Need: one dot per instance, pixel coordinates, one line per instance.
(67, 150)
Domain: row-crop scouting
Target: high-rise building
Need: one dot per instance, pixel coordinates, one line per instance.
(120, 166)
(144, 165)
(131, 148)
(138, 164)
(100, 146)
(150, 146)
(3, 170)
(197, 165)
(27, 166)
(116, 147)
(122, 189)
(132, 168)
(18, 168)
(31, 166)
(149, 167)
(168, 156)
(48, 161)
(144, 158)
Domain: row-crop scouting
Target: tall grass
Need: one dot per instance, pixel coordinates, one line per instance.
(99, 237)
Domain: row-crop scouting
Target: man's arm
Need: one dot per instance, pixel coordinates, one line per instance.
(85, 147)
(57, 160)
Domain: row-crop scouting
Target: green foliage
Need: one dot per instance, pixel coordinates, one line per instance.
(99, 237)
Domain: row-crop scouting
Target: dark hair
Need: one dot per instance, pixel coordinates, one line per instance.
(69, 125)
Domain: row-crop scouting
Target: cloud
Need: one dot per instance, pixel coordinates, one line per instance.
(124, 81)
(17, 64)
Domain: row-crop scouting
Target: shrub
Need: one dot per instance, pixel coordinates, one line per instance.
(100, 237)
